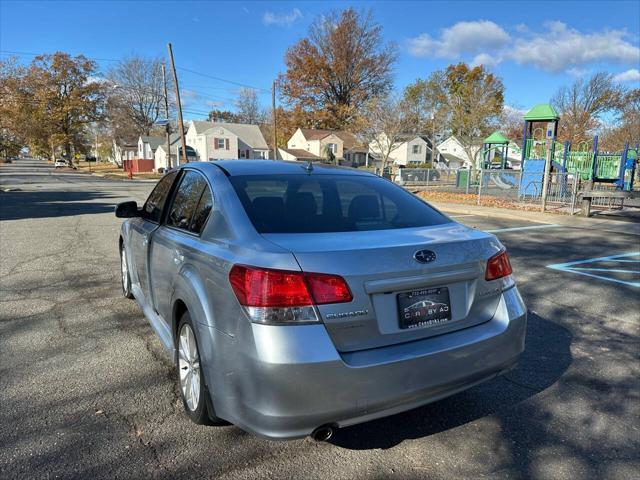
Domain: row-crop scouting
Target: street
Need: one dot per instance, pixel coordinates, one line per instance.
(87, 390)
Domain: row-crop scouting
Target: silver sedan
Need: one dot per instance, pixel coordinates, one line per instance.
(286, 293)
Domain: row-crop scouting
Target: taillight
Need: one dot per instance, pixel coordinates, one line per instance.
(498, 266)
(282, 296)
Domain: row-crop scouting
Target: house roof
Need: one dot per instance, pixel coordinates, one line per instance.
(300, 154)
(496, 138)
(451, 157)
(541, 112)
(349, 140)
(154, 142)
(249, 134)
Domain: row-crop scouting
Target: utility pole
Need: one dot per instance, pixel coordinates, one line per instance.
(275, 123)
(167, 126)
(180, 124)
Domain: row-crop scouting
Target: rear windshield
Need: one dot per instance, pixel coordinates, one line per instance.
(330, 203)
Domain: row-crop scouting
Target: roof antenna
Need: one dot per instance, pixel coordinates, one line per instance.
(309, 166)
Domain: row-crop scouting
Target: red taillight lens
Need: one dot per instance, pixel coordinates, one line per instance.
(328, 288)
(263, 287)
(498, 266)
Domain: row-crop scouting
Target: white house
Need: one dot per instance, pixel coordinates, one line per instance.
(160, 155)
(453, 152)
(219, 141)
(124, 150)
(147, 146)
(409, 149)
(312, 144)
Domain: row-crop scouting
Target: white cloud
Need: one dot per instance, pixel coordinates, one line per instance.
(463, 37)
(557, 48)
(485, 59)
(632, 75)
(281, 19)
(561, 48)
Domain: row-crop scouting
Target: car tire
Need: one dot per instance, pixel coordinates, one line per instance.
(125, 277)
(191, 381)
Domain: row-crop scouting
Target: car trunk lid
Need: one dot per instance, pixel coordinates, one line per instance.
(380, 265)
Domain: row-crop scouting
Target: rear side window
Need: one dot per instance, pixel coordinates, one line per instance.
(330, 203)
(152, 209)
(186, 200)
(202, 211)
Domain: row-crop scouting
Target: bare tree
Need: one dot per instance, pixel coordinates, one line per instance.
(137, 94)
(382, 125)
(248, 106)
(583, 104)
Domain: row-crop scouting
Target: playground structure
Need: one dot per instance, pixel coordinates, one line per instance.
(585, 163)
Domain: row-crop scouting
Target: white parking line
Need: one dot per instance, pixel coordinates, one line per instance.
(572, 267)
(515, 229)
(460, 216)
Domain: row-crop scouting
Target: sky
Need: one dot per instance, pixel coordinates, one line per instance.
(535, 47)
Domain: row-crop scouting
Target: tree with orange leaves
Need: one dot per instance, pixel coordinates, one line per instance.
(337, 68)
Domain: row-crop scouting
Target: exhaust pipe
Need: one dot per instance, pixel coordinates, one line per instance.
(323, 433)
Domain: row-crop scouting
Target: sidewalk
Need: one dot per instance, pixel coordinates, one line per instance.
(573, 221)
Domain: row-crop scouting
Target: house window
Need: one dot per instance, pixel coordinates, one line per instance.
(219, 143)
(417, 149)
(333, 147)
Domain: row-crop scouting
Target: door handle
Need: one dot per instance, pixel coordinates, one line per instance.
(178, 257)
(145, 240)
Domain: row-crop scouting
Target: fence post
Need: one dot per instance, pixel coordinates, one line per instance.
(468, 180)
(565, 154)
(480, 187)
(574, 192)
(623, 164)
(428, 170)
(594, 173)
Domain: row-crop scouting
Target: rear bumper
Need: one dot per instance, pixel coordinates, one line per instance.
(292, 379)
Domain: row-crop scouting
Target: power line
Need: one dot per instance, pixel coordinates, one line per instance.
(206, 75)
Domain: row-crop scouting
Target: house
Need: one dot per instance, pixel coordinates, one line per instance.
(454, 154)
(313, 144)
(175, 145)
(410, 149)
(219, 141)
(160, 155)
(147, 146)
(124, 149)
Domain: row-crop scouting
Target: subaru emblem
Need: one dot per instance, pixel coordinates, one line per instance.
(424, 256)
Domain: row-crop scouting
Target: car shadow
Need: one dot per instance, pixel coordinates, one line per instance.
(546, 357)
(17, 205)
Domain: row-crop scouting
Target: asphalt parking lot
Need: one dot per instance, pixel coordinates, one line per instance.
(86, 390)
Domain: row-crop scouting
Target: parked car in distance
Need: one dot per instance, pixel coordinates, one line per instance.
(296, 298)
(59, 163)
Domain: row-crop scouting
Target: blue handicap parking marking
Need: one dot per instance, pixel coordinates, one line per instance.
(623, 268)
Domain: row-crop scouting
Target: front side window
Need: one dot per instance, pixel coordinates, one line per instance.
(417, 149)
(220, 143)
(186, 200)
(330, 203)
(152, 209)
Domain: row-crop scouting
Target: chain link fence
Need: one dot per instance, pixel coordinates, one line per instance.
(497, 186)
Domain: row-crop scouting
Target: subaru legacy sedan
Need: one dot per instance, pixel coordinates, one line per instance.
(298, 298)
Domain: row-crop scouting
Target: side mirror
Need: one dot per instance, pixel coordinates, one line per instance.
(127, 210)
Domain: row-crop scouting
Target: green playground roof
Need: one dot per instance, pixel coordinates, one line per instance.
(496, 138)
(542, 111)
